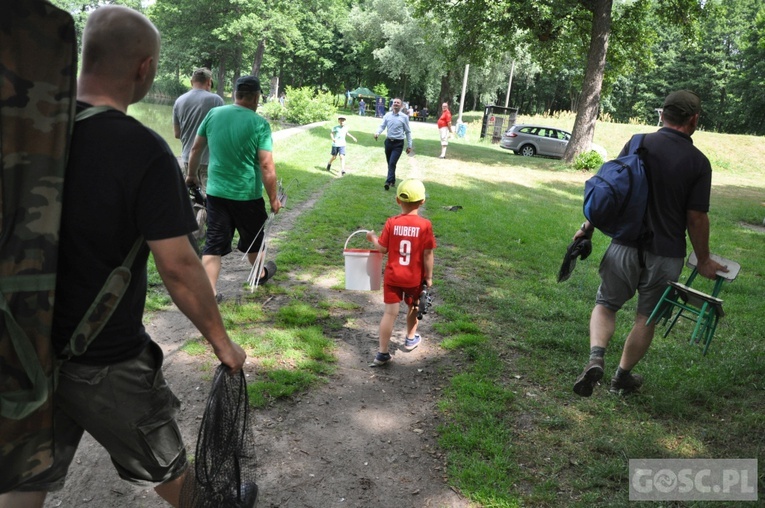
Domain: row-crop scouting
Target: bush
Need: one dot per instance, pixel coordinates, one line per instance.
(273, 110)
(304, 106)
(588, 160)
(167, 86)
(381, 90)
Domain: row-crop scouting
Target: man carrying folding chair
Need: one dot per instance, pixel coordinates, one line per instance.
(241, 166)
(679, 177)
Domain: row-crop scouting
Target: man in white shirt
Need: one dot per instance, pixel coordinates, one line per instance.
(397, 124)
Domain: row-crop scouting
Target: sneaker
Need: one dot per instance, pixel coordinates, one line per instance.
(387, 186)
(329, 166)
(219, 297)
(381, 359)
(270, 270)
(626, 384)
(589, 377)
(342, 173)
(410, 344)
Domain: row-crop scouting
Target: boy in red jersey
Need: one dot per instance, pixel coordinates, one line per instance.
(408, 239)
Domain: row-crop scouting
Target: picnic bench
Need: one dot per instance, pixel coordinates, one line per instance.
(421, 116)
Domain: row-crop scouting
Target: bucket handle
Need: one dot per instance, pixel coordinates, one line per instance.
(355, 233)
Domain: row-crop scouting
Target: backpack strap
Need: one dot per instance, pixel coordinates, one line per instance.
(636, 146)
(110, 295)
(16, 405)
(21, 403)
(92, 111)
(102, 308)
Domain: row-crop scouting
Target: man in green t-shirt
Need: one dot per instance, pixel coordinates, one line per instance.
(241, 165)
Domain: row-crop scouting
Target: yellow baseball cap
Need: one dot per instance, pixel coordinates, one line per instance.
(411, 191)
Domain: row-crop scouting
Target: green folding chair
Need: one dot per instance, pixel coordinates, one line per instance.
(681, 300)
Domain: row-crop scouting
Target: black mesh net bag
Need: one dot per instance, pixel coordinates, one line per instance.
(223, 473)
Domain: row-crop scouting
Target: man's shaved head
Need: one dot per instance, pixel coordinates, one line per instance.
(115, 39)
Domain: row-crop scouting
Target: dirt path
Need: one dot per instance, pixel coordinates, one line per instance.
(367, 438)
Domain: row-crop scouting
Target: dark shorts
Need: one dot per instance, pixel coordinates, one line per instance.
(338, 150)
(621, 276)
(394, 294)
(225, 216)
(129, 409)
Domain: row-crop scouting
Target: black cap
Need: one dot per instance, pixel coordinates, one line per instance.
(683, 101)
(248, 84)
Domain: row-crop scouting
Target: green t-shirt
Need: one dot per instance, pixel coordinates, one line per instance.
(339, 132)
(234, 136)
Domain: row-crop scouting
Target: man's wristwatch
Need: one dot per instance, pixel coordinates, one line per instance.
(587, 232)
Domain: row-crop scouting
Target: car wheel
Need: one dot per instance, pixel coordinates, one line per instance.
(528, 151)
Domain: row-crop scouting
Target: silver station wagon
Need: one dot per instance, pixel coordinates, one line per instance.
(530, 140)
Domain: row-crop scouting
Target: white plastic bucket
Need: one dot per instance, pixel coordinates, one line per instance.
(363, 267)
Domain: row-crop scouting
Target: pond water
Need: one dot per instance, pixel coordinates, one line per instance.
(159, 117)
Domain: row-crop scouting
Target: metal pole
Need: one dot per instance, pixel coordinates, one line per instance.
(509, 84)
(464, 88)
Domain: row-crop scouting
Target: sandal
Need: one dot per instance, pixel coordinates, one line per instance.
(270, 270)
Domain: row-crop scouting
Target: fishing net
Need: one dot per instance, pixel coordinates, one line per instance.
(223, 472)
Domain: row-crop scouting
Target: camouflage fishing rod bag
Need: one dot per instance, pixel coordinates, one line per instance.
(38, 63)
(30, 409)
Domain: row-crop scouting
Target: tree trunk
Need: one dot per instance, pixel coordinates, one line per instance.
(589, 103)
(220, 86)
(237, 64)
(274, 87)
(445, 94)
(573, 100)
(258, 59)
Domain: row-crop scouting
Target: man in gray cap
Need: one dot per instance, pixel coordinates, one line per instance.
(241, 165)
(188, 112)
(680, 178)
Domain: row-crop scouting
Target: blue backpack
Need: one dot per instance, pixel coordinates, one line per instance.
(616, 198)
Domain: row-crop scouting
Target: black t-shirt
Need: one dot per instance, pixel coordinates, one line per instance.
(681, 178)
(121, 181)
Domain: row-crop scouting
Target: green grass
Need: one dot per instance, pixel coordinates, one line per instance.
(513, 432)
(196, 347)
(156, 296)
(290, 347)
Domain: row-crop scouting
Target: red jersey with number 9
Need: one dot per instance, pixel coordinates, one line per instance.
(406, 237)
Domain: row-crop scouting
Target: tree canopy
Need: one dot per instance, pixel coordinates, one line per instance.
(617, 58)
